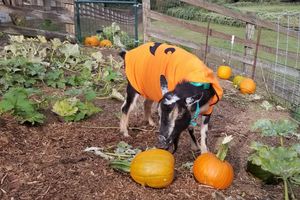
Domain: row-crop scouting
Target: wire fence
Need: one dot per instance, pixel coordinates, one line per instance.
(276, 59)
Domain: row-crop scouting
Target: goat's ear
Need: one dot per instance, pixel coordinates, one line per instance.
(163, 84)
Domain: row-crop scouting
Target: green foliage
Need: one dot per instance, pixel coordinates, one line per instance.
(30, 62)
(26, 62)
(281, 161)
(262, 10)
(193, 13)
(17, 102)
(72, 109)
(118, 37)
(284, 161)
(282, 127)
(19, 71)
(55, 78)
(296, 114)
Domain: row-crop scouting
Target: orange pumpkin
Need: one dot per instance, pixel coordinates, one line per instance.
(91, 41)
(153, 168)
(210, 170)
(105, 43)
(247, 86)
(224, 72)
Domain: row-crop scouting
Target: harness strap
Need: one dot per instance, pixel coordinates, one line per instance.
(196, 115)
(197, 112)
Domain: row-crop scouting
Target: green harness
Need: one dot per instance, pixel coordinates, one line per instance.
(197, 112)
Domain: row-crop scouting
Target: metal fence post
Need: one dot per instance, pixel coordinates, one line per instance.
(208, 32)
(256, 51)
(136, 23)
(78, 28)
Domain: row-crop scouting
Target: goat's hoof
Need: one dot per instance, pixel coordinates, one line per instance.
(204, 151)
(195, 148)
(151, 123)
(125, 133)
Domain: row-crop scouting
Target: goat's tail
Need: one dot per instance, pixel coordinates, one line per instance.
(123, 53)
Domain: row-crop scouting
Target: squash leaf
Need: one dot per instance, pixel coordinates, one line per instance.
(16, 101)
(72, 109)
(283, 162)
(282, 127)
(66, 107)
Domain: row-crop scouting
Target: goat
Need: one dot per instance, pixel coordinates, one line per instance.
(182, 85)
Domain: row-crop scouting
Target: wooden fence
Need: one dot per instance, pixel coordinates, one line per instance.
(62, 12)
(58, 11)
(251, 61)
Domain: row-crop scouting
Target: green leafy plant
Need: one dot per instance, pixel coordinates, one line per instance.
(72, 109)
(16, 101)
(280, 128)
(56, 79)
(283, 162)
(117, 36)
(296, 114)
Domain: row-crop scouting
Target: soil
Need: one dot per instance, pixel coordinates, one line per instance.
(48, 161)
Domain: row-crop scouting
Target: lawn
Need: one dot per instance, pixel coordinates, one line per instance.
(268, 38)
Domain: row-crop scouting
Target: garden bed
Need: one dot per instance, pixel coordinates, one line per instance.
(48, 161)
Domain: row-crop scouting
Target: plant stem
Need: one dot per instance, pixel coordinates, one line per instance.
(222, 151)
(281, 141)
(291, 190)
(286, 193)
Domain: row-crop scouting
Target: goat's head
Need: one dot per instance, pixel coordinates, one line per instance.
(176, 109)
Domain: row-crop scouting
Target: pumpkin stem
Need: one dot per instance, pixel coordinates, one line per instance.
(120, 165)
(222, 151)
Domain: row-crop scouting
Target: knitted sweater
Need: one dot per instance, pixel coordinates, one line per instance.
(145, 64)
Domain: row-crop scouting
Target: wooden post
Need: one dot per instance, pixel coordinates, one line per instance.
(70, 28)
(256, 51)
(146, 19)
(208, 32)
(47, 5)
(250, 29)
(249, 35)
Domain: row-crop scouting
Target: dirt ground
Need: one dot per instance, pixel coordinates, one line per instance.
(48, 162)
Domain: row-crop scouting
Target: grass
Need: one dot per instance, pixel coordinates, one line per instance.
(268, 38)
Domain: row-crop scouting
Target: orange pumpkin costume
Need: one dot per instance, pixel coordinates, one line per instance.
(145, 64)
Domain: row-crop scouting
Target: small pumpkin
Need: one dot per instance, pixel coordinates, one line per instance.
(237, 81)
(91, 41)
(153, 168)
(224, 72)
(105, 43)
(213, 170)
(247, 86)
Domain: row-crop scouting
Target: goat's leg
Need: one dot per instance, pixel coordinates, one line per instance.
(194, 143)
(204, 128)
(126, 108)
(147, 109)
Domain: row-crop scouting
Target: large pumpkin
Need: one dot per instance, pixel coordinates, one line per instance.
(210, 170)
(91, 41)
(105, 43)
(237, 80)
(247, 86)
(224, 72)
(153, 168)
